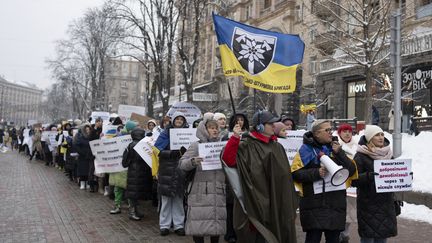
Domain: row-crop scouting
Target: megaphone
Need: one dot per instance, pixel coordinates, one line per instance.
(338, 174)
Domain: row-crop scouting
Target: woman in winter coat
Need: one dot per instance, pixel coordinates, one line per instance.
(139, 176)
(206, 213)
(376, 212)
(85, 156)
(37, 144)
(170, 180)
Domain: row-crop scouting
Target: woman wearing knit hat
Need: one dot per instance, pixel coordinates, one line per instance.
(220, 118)
(345, 137)
(376, 212)
(280, 130)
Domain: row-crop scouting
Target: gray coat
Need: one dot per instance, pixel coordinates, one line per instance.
(206, 214)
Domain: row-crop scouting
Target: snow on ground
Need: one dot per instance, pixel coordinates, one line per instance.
(416, 212)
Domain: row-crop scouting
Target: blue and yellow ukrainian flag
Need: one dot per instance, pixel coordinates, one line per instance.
(267, 60)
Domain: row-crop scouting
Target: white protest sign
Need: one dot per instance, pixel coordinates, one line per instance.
(125, 111)
(292, 143)
(191, 112)
(109, 153)
(144, 150)
(210, 152)
(60, 140)
(393, 175)
(102, 114)
(182, 137)
(65, 133)
(318, 185)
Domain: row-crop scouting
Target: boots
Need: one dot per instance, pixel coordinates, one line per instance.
(82, 185)
(115, 210)
(133, 213)
(106, 193)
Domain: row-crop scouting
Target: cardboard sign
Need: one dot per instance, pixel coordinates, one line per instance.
(109, 153)
(292, 143)
(144, 149)
(125, 111)
(109, 131)
(191, 112)
(210, 152)
(141, 119)
(393, 175)
(182, 137)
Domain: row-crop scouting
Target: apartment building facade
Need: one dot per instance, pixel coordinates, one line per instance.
(19, 103)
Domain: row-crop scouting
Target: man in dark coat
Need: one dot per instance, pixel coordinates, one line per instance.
(94, 135)
(269, 196)
(139, 176)
(85, 156)
(322, 211)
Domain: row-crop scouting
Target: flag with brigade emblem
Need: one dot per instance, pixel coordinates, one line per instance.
(267, 60)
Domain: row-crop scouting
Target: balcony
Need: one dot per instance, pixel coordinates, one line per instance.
(323, 9)
(424, 11)
(324, 41)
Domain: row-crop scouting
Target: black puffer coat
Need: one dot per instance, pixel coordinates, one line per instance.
(323, 211)
(375, 211)
(85, 156)
(139, 177)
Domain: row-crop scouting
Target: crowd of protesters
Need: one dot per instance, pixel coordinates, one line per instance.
(257, 194)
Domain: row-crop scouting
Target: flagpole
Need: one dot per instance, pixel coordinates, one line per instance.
(231, 97)
(254, 101)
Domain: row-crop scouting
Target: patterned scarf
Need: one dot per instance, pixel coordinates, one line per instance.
(375, 152)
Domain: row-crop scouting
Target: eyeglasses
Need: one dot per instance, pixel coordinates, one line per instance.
(327, 129)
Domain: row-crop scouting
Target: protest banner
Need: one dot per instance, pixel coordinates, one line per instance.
(109, 153)
(102, 114)
(125, 111)
(210, 152)
(182, 137)
(191, 112)
(292, 143)
(394, 175)
(144, 149)
(142, 120)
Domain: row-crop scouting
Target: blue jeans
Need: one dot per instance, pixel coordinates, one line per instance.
(372, 240)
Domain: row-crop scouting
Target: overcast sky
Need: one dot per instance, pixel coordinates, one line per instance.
(28, 30)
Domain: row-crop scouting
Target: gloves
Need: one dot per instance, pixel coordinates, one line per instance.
(371, 175)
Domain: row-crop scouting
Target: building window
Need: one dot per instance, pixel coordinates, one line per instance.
(424, 9)
(356, 95)
(267, 4)
(299, 13)
(313, 65)
(312, 33)
(123, 84)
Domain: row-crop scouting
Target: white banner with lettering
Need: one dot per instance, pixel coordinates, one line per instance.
(318, 185)
(292, 143)
(182, 137)
(210, 152)
(125, 111)
(109, 153)
(393, 175)
(144, 149)
(190, 111)
(102, 114)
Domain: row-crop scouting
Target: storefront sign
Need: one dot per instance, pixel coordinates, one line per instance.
(357, 88)
(416, 79)
(204, 97)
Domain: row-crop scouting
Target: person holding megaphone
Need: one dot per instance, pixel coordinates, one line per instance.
(320, 169)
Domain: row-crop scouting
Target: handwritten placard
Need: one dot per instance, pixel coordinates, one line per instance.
(182, 137)
(210, 152)
(109, 153)
(292, 143)
(393, 175)
(144, 149)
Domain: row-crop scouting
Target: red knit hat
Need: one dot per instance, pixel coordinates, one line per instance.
(344, 127)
